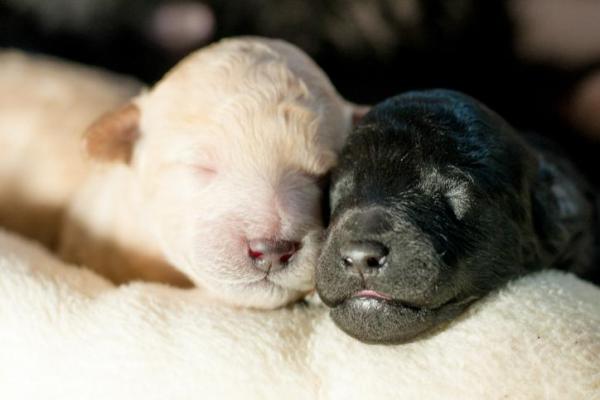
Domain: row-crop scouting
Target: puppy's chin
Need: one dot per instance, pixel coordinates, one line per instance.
(380, 321)
(273, 290)
(263, 294)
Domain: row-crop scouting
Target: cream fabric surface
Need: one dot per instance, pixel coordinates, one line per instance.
(66, 333)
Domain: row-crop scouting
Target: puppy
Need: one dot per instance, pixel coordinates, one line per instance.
(213, 176)
(45, 105)
(436, 202)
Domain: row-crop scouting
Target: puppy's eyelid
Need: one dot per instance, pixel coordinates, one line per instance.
(206, 172)
(206, 169)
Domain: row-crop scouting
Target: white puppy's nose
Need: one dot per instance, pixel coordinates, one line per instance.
(271, 255)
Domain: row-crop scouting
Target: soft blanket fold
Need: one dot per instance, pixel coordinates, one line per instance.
(66, 333)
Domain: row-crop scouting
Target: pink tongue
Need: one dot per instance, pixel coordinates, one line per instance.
(372, 293)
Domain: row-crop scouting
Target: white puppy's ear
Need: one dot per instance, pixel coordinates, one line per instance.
(112, 136)
(358, 112)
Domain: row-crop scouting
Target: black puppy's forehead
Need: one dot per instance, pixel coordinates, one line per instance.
(401, 156)
(424, 129)
(437, 132)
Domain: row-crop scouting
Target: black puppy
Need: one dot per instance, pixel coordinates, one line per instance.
(437, 201)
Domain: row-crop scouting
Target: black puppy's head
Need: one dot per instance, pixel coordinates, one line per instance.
(430, 210)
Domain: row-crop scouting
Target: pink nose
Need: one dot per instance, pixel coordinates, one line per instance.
(271, 255)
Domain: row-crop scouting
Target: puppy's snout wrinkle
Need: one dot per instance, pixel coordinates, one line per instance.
(364, 257)
(271, 255)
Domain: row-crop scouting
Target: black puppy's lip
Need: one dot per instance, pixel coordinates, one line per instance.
(383, 297)
(380, 321)
(457, 301)
(368, 293)
(380, 296)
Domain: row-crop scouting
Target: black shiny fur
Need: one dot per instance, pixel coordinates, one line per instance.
(460, 202)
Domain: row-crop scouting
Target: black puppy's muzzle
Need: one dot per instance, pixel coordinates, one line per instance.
(383, 253)
(384, 282)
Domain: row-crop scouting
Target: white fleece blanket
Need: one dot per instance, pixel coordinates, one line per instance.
(66, 333)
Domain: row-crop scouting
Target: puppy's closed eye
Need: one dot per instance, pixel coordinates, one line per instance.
(206, 169)
(197, 175)
(206, 172)
(200, 161)
(459, 199)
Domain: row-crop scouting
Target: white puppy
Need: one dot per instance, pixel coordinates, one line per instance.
(214, 173)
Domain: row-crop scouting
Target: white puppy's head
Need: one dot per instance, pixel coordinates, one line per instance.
(228, 150)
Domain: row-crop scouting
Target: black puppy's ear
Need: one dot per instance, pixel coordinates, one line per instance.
(112, 136)
(563, 210)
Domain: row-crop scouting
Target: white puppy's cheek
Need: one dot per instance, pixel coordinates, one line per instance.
(220, 256)
(175, 200)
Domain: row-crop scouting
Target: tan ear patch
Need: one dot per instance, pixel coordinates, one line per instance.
(112, 136)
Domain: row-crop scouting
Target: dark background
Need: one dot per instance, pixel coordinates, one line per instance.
(371, 49)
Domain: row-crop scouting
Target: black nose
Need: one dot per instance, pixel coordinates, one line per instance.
(364, 257)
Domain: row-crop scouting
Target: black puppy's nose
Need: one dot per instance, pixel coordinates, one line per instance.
(364, 257)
